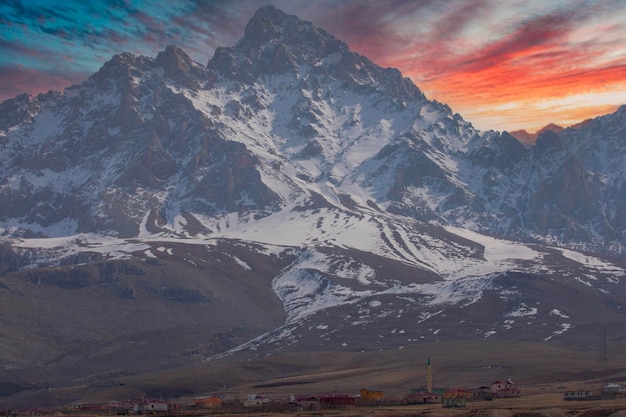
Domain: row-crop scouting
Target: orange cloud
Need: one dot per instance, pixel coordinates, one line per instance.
(503, 77)
(501, 88)
(503, 65)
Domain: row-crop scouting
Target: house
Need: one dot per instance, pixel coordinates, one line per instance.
(454, 398)
(256, 401)
(337, 400)
(151, 406)
(482, 393)
(422, 398)
(91, 407)
(581, 395)
(114, 406)
(613, 390)
(457, 393)
(505, 389)
(497, 386)
(371, 396)
(307, 402)
(208, 402)
(454, 402)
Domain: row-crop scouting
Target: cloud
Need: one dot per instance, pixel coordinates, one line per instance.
(19, 80)
(558, 54)
(460, 52)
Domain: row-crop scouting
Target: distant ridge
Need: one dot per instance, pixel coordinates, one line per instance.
(530, 138)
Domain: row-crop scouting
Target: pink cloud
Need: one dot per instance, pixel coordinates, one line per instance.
(19, 80)
(458, 52)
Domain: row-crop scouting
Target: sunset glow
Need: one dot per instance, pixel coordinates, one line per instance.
(502, 65)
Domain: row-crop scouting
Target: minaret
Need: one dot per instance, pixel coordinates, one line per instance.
(429, 378)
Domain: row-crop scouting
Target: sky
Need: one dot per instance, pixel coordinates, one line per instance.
(503, 65)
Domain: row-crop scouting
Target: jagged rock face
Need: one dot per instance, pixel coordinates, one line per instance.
(503, 154)
(177, 66)
(549, 192)
(126, 140)
(267, 122)
(277, 43)
(599, 146)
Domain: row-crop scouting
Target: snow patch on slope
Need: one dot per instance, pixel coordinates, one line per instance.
(593, 263)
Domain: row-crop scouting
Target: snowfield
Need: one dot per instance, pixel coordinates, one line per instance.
(325, 275)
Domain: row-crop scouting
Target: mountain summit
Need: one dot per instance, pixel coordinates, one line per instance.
(296, 187)
(271, 24)
(276, 43)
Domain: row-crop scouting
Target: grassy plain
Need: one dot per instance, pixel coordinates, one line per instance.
(543, 371)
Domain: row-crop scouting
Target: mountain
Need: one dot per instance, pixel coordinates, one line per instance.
(289, 196)
(526, 137)
(266, 124)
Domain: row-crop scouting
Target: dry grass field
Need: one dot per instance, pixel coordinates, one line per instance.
(542, 371)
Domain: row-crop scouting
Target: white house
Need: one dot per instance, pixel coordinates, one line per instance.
(255, 401)
(148, 406)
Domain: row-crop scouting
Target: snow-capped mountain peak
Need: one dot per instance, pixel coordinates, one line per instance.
(286, 113)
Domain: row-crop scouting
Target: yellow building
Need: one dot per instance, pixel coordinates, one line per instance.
(371, 396)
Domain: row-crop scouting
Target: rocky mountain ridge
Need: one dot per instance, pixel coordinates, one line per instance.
(530, 138)
(289, 104)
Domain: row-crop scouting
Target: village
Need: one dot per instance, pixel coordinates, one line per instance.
(447, 398)
(451, 398)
